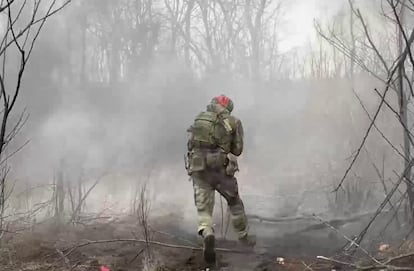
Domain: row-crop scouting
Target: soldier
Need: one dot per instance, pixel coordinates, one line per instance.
(215, 141)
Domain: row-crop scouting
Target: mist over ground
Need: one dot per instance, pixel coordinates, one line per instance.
(128, 126)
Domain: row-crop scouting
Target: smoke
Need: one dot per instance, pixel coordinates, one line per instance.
(298, 134)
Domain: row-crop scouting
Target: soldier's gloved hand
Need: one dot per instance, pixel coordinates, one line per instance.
(232, 166)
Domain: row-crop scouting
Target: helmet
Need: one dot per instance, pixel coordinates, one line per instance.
(224, 101)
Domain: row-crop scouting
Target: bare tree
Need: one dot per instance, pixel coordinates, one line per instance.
(403, 94)
(143, 211)
(59, 194)
(190, 7)
(254, 20)
(24, 22)
(391, 65)
(233, 37)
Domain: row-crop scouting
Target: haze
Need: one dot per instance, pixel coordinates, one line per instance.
(111, 87)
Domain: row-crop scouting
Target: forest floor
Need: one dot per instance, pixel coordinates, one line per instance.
(116, 243)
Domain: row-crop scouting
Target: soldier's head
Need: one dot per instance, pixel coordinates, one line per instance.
(224, 102)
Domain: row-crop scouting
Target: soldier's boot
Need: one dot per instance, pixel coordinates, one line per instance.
(240, 224)
(248, 240)
(209, 250)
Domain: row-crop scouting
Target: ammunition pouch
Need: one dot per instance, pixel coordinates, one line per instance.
(187, 163)
(232, 166)
(194, 162)
(216, 160)
(198, 160)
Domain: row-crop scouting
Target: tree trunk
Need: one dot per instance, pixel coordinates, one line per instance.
(353, 46)
(190, 5)
(255, 30)
(83, 61)
(403, 104)
(60, 197)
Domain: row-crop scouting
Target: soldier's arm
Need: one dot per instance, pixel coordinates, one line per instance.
(189, 138)
(237, 144)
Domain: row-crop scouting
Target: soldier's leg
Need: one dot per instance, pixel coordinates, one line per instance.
(204, 201)
(228, 188)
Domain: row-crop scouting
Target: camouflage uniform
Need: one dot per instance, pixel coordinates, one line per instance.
(205, 184)
(216, 139)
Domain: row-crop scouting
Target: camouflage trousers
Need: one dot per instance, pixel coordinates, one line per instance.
(205, 184)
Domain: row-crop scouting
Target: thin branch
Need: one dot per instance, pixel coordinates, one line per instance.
(385, 201)
(4, 59)
(42, 22)
(4, 40)
(399, 257)
(17, 127)
(368, 36)
(400, 27)
(339, 45)
(400, 62)
(395, 215)
(81, 201)
(405, 180)
(21, 33)
(336, 261)
(410, 85)
(69, 251)
(12, 31)
(28, 31)
(397, 115)
(409, 7)
(222, 216)
(376, 127)
(347, 238)
(9, 3)
(369, 267)
(381, 177)
(178, 238)
(14, 152)
(308, 267)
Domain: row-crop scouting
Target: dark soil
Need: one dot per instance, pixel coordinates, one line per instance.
(51, 248)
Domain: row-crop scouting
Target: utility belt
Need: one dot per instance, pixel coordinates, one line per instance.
(204, 146)
(209, 157)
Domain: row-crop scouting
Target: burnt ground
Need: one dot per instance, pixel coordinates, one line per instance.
(47, 247)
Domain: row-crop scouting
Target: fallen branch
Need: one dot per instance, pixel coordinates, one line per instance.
(65, 259)
(276, 220)
(367, 267)
(336, 261)
(69, 251)
(348, 239)
(137, 255)
(399, 257)
(307, 267)
(178, 238)
(336, 222)
(384, 202)
(75, 214)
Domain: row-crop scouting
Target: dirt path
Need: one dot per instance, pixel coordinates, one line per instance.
(50, 249)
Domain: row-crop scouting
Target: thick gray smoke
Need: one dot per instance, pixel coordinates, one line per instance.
(299, 133)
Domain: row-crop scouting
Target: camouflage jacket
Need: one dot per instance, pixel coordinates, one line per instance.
(228, 132)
